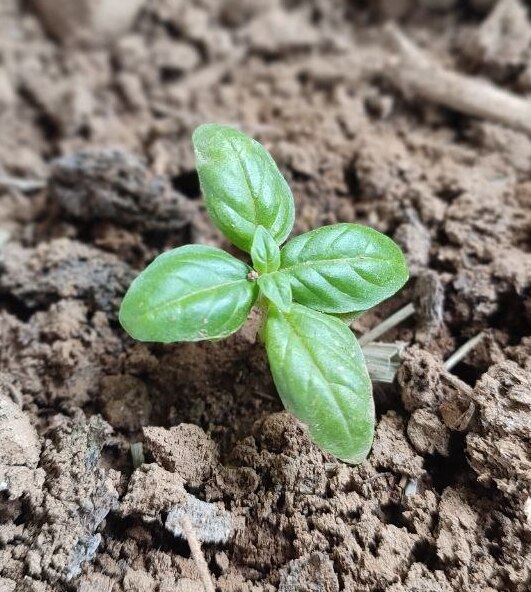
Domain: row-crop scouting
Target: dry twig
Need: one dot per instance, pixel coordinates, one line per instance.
(383, 360)
(387, 324)
(415, 72)
(197, 554)
(23, 185)
(461, 352)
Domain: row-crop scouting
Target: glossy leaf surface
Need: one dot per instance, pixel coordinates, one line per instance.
(320, 374)
(277, 289)
(191, 293)
(343, 268)
(242, 185)
(265, 253)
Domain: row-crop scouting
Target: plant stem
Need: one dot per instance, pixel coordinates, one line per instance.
(262, 306)
(197, 554)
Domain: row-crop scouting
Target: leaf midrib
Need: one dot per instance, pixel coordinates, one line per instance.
(313, 262)
(177, 301)
(321, 373)
(254, 198)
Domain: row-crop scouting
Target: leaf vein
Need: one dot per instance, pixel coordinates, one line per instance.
(204, 291)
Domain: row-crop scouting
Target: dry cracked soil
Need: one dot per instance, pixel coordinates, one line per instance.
(99, 130)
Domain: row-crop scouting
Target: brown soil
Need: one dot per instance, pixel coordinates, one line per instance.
(443, 502)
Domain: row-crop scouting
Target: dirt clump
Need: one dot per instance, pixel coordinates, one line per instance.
(114, 185)
(500, 46)
(427, 433)
(57, 357)
(20, 450)
(151, 492)
(20, 443)
(185, 450)
(77, 494)
(499, 446)
(125, 402)
(427, 386)
(311, 571)
(101, 131)
(91, 22)
(63, 269)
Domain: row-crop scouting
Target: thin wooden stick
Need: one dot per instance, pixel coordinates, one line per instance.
(197, 554)
(24, 185)
(461, 352)
(387, 325)
(415, 72)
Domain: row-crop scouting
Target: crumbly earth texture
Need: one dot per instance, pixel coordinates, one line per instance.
(444, 500)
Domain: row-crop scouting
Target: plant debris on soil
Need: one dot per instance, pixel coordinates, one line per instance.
(97, 177)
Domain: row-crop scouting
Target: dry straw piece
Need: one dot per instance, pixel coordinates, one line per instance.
(417, 73)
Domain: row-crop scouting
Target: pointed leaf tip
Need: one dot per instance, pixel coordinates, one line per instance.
(321, 376)
(242, 185)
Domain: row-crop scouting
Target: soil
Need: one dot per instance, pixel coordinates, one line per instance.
(444, 500)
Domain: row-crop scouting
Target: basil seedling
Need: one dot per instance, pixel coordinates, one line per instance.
(303, 289)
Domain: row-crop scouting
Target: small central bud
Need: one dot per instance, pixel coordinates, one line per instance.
(253, 275)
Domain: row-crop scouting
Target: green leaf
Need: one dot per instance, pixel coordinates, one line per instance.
(265, 253)
(277, 289)
(349, 317)
(320, 374)
(188, 294)
(343, 268)
(242, 185)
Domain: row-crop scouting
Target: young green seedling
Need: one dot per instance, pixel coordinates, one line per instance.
(303, 289)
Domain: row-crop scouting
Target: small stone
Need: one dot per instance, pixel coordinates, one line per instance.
(211, 524)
